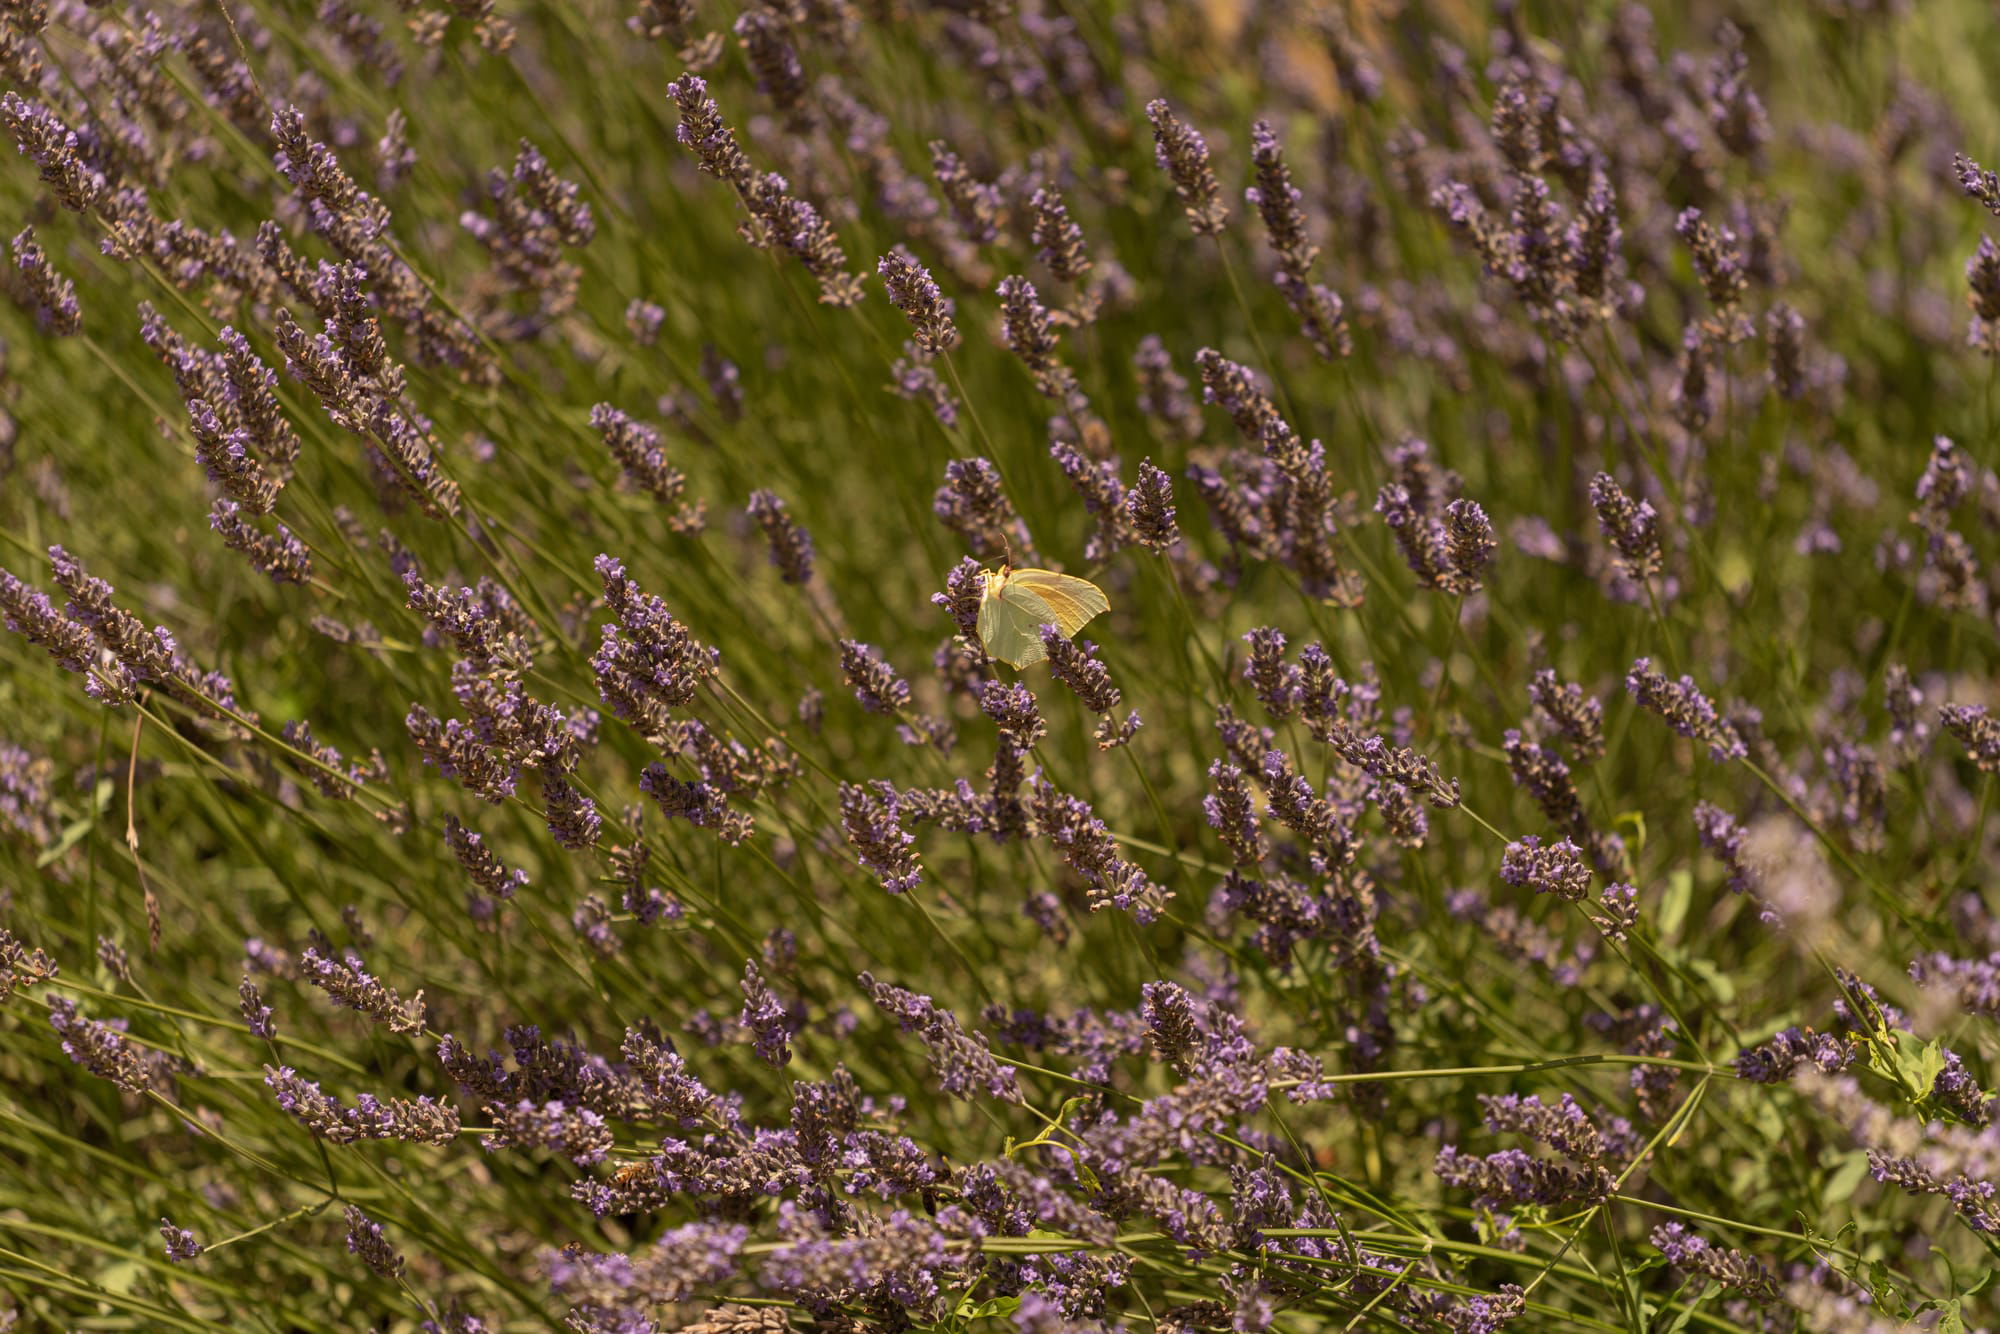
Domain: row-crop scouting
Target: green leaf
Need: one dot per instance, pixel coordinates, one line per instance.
(1846, 1178)
(989, 1309)
(1674, 903)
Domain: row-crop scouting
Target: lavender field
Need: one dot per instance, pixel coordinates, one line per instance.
(557, 772)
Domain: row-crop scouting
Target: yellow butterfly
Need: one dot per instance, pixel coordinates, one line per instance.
(1014, 605)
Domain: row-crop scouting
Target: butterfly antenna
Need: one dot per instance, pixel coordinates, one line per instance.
(1008, 548)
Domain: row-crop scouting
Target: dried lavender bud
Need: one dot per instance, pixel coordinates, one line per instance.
(1685, 709)
(1234, 388)
(1555, 868)
(1594, 239)
(912, 291)
(1686, 1251)
(112, 955)
(1631, 528)
(1276, 682)
(181, 1244)
(38, 134)
(1541, 773)
(1774, 1062)
(791, 546)
(1975, 729)
(1621, 912)
(1075, 664)
(1183, 154)
(20, 966)
(312, 167)
(1059, 241)
(871, 815)
(41, 289)
(1279, 203)
(1578, 716)
(348, 984)
(1293, 803)
(366, 1239)
(225, 456)
(1170, 1022)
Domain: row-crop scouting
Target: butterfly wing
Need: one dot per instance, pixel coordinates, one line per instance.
(1072, 601)
(1010, 625)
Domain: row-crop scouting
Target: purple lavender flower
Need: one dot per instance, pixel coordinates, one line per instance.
(769, 1022)
(577, 1133)
(871, 815)
(963, 1062)
(1058, 241)
(48, 293)
(1685, 709)
(1183, 154)
(1149, 507)
(1775, 1061)
(349, 984)
(366, 1239)
(1556, 868)
(874, 682)
(964, 588)
(912, 291)
(1086, 845)
(1975, 729)
(1730, 1268)
(649, 662)
(1630, 527)
(41, 136)
(1076, 665)
(791, 546)
(181, 1244)
(256, 1014)
(280, 556)
(100, 1048)
(1973, 983)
